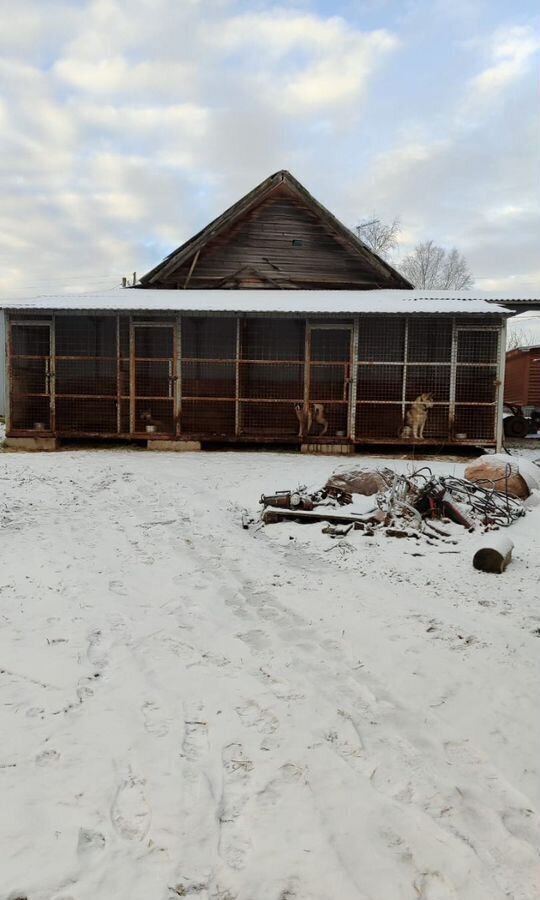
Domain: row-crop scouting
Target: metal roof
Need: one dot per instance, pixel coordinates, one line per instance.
(282, 302)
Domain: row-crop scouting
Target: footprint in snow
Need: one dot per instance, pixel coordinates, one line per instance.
(255, 716)
(130, 812)
(46, 757)
(434, 886)
(234, 841)
(95, 650)
(524, 825)
(288, 774)
(195, 741)
(89, 841)
(154, 723)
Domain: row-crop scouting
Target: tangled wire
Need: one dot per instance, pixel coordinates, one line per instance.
(488, 501)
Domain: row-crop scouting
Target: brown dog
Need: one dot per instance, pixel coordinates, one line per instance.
(416, 417)
(307, 414)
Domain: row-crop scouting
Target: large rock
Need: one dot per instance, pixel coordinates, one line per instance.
(360, 480)
(505, 473)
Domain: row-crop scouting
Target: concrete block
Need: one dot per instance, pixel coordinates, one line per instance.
(32, 443)
(333, 449)
(178, 446)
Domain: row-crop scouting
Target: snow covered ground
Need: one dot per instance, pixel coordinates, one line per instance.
(191, 709)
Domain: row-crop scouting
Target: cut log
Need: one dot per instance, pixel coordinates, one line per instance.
(494, 555)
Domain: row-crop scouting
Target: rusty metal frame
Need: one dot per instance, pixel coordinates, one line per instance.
(351, 424)
(48, 369)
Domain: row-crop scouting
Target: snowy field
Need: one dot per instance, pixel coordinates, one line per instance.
(189, 709)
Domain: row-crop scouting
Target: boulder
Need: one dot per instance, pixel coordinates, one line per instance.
(361, 480)
(509, 474)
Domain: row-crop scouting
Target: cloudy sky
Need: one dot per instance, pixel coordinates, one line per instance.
(126, 125)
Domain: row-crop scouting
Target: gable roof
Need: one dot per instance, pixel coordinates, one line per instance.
(189, 250)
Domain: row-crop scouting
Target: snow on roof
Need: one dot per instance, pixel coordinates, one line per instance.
(386, 302)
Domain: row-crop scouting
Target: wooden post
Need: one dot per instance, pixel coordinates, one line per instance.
(501, 369)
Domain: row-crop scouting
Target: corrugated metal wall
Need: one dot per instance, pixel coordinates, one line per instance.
(3, 403)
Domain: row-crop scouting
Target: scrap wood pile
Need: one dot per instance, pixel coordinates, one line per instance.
(490, 496)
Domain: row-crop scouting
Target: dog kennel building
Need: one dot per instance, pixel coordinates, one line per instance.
(221, 366)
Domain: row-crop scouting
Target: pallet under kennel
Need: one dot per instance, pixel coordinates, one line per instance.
(252, 378)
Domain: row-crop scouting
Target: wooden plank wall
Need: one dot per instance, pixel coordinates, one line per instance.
(282, 239)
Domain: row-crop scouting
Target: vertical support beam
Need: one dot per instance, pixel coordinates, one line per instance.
(7, 322)
(501, 369)
(132, 378)
(307, 363)
(237, 422)
(52, 371)
(354, 379)
(405, 370)
(453, 379)
(177, 373)
(118, 379)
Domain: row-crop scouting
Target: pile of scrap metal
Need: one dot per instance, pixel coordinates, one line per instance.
(408, 505)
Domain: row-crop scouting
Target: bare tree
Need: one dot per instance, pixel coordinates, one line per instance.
(435, 268)
(379, 237)
(518, 339)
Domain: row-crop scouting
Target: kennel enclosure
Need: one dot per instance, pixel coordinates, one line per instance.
(222, 366)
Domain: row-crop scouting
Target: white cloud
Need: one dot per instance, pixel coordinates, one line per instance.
(512, 50)
(304, 62)
(126, 125)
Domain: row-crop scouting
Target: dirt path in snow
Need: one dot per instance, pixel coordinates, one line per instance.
(194, 710)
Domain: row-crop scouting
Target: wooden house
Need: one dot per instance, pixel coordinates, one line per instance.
(276, 237)
(273, 325)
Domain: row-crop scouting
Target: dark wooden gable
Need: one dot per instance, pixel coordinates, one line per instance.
(276, 236)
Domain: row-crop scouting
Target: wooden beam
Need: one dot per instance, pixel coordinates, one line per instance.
(193, 264)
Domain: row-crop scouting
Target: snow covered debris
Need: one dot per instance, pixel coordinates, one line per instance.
(192, 709)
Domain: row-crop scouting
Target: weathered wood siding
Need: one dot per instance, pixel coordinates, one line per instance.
(282, 240)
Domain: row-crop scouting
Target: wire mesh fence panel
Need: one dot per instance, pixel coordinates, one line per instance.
(276, 381)
(154, 342)
(208, 379)
(30, 413)
(30, 377)
(437, 426)
(330, 345)
(91, 336)
(381, 339)
(475, 423)
(153, 378)
(375, 421)
(86, 376)
(273, 339)
(477, 346)
(328, 382)
(156, 416)
(332, 422)
(476, 384)
(429, 340)
(86, 415)
(208, 337)
(268, 419)
(209, 418)
(379, 382)
(434, 380)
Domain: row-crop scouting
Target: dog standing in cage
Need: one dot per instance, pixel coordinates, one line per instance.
(307, 414)
(416, 417)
